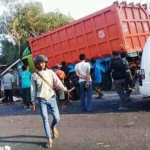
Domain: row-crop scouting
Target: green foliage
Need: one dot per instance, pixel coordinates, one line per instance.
(24, 20)
(32, 19)
(10, 51)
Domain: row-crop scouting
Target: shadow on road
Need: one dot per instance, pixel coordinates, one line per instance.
(23, 139)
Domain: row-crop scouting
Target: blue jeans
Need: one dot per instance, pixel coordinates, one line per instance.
(83, 93)
(52, 105)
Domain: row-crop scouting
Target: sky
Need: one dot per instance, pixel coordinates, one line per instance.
(77, 8)
(80, 8)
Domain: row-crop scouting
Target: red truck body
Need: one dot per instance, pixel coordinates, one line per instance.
(118, 27)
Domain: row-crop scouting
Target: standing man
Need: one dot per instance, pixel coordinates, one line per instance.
(97, 78)
(61, 94)
(129, 81)
(25, 83)
(66, 69)
(118, 74)
(83, 72)
(43, 82)
(8, 85)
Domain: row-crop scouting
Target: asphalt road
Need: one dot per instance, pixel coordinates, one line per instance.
(106, 128)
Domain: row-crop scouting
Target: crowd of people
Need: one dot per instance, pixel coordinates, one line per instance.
(123, 73)
(51, 87)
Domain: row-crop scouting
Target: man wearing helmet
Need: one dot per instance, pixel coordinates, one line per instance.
(43, 82)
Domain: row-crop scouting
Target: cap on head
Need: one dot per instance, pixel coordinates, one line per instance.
(40, 58)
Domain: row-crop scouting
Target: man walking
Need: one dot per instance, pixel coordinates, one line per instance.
(97, 78)
(61, 94)
(25, 83)
(82, 70)
(118, 74)
(129, 82)
(65, 68)
(7, 84)
(43, 82)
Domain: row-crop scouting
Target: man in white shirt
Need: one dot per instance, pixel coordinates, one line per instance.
(83, 72)
(7, 84)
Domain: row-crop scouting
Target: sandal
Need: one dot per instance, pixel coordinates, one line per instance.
(49, 144)
(55, 133)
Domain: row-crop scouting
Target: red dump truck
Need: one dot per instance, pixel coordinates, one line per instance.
(121, 27)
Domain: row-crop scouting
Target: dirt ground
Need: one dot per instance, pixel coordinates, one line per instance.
(106, 128)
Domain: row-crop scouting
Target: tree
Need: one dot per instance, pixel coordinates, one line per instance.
(30, 19)
(10, 52)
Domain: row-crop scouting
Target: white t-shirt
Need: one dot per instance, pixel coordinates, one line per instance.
(82, 68)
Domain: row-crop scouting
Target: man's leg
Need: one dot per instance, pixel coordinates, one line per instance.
(6, 95)
(44, 114)
(119, 86)
(97, 88)
(55, 112)
(82, 95)
(23, 93)
(89, 97)
(56, 117)
(128, 93)
(62, 99)
(131, 87)
(10, 95)
(28, 97)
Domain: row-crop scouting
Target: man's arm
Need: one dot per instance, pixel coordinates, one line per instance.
(88, 75)
(12, 82)
(79, 75)
(18, 79)
(102, 69)
(57, 81)
(2, 84)
(128, 70)
(111, 69)
(33, 90)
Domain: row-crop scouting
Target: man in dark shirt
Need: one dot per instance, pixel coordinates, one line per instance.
(65, 68)
(129, 82)
(118, 74)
